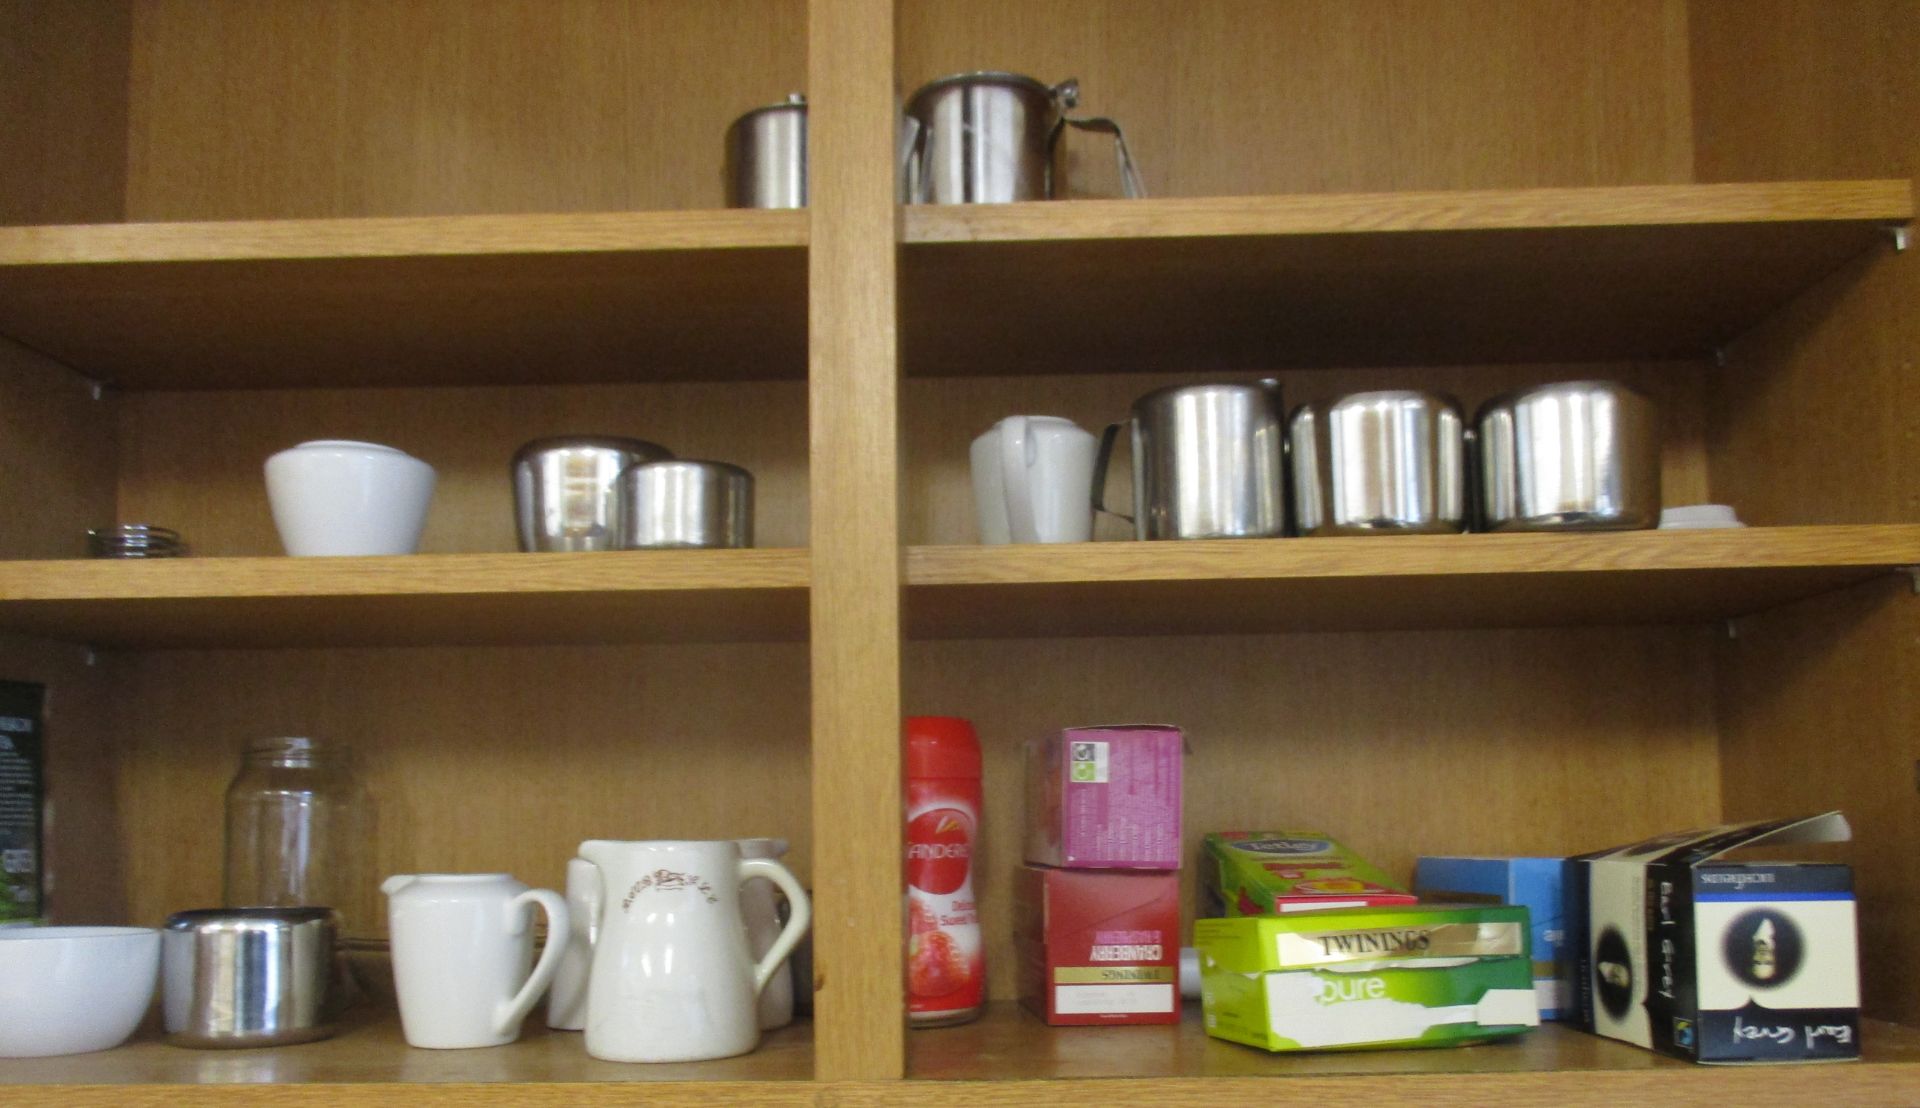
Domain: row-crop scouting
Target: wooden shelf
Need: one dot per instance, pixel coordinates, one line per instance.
(369, 1062)
(494, 299)
(1387, 582)
(1008, 1051)
(1268, 282)
(424, 599)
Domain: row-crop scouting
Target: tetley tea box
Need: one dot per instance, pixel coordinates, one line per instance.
(1401, 975)
(1105, 798)
(1713, 960)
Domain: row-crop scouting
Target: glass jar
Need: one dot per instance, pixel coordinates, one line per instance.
(297, 824)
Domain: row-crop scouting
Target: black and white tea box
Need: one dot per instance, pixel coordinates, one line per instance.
(1689, 954)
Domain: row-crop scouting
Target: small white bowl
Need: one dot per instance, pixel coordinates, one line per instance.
(333, 497)
(69, 990)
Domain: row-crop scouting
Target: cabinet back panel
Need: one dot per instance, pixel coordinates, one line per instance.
(1814, 421)
(192, 460)
(477, 759)
(943, 415)
(1233, 97)
(1398, 744)
(63, 111)
(57, 457)
(247, 110)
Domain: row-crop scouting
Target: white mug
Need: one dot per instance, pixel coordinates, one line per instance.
(672, 978)
(462, 943)
(1033, 481)
(333, 497)
(567, 1002)
(760, 907)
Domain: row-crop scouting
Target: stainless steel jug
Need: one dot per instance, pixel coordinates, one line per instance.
(767, 156)
(989, 138)
(1207, 462)
(681, 503)
(566, 491)
(1379, 462)
(1574, 456)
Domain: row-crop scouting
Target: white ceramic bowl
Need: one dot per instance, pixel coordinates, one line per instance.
(68, 990)
(333, 497)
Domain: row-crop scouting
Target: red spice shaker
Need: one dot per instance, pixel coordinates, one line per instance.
(946, 962)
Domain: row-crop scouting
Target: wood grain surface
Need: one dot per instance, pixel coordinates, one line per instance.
(1274, 96)
(425, 599)
(1817, 701)
(854, 419)
(63, 110)
(468, 299)
(1534, 275)
(59, 454)
(241, 110)
(1397, 743)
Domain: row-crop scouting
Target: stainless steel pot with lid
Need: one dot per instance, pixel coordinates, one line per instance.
(1573, 456)
(767, 156)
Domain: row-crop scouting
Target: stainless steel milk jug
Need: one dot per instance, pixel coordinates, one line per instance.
(1207, 462)
(989, 138)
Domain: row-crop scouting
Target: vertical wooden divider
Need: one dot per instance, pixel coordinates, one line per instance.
(853, 389)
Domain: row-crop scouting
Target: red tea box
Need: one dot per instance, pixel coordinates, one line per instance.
(1098, 946)
(1105, 798)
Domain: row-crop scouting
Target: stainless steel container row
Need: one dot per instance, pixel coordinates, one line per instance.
(585, 493)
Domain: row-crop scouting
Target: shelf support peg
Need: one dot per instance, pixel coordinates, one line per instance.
(1900, 236)
(1913, 577)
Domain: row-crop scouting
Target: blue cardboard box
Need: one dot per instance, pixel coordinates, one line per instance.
(1534, 883)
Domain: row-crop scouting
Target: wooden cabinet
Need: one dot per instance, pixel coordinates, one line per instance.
(454, 227)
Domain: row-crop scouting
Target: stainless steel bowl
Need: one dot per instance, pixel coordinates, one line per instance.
(566, 490)
(1574, 456)
(243, 977)
(680, 503)
(1380, 462)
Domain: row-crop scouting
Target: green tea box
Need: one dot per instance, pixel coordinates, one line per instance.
(1271, 873)
(21, 785)
(1388, 976)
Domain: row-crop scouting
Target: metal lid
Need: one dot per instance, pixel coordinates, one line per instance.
(699, 464)
(984, 77)
(795, 102)
(640, 447)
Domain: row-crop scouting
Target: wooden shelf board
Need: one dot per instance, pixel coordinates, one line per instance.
(1268, 282)
(369, 1062)
(492, 299)
(1387, 582)
(1008, 1056)
(427, 599)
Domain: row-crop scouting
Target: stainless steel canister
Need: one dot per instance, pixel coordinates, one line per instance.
(988, 138)
(767, 156)
(683, 503)
(566, 490)
(1574, 456)
(1207, 462)
(1380, 462)
(241, 977)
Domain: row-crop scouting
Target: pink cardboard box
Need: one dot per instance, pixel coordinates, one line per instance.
(1105, 798)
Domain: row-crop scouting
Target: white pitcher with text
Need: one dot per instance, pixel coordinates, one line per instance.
(673, 979)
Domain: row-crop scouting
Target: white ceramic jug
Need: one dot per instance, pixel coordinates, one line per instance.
(673, 979)
(1033, 480)
(463, 955)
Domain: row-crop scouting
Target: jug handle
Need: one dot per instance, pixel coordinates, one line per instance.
(1014, 439)
(508, 1014)
(1100, 461)
(1066, 95)
(912, 156)
(799, 916)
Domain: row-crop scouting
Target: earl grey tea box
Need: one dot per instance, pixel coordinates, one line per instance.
(1689, 953)
(21, 793)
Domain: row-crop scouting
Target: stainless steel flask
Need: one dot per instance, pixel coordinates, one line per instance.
(767, 156)
(1207, 462)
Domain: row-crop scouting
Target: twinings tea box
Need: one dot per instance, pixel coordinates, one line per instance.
(22, 764)
(1105, 798)
(1400, 975)
(1098, 947)
(1532, 883)
(1260, 873)
(1690, 954)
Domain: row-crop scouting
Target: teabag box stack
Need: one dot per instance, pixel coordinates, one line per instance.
(1718, 961)
(1097, 906)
